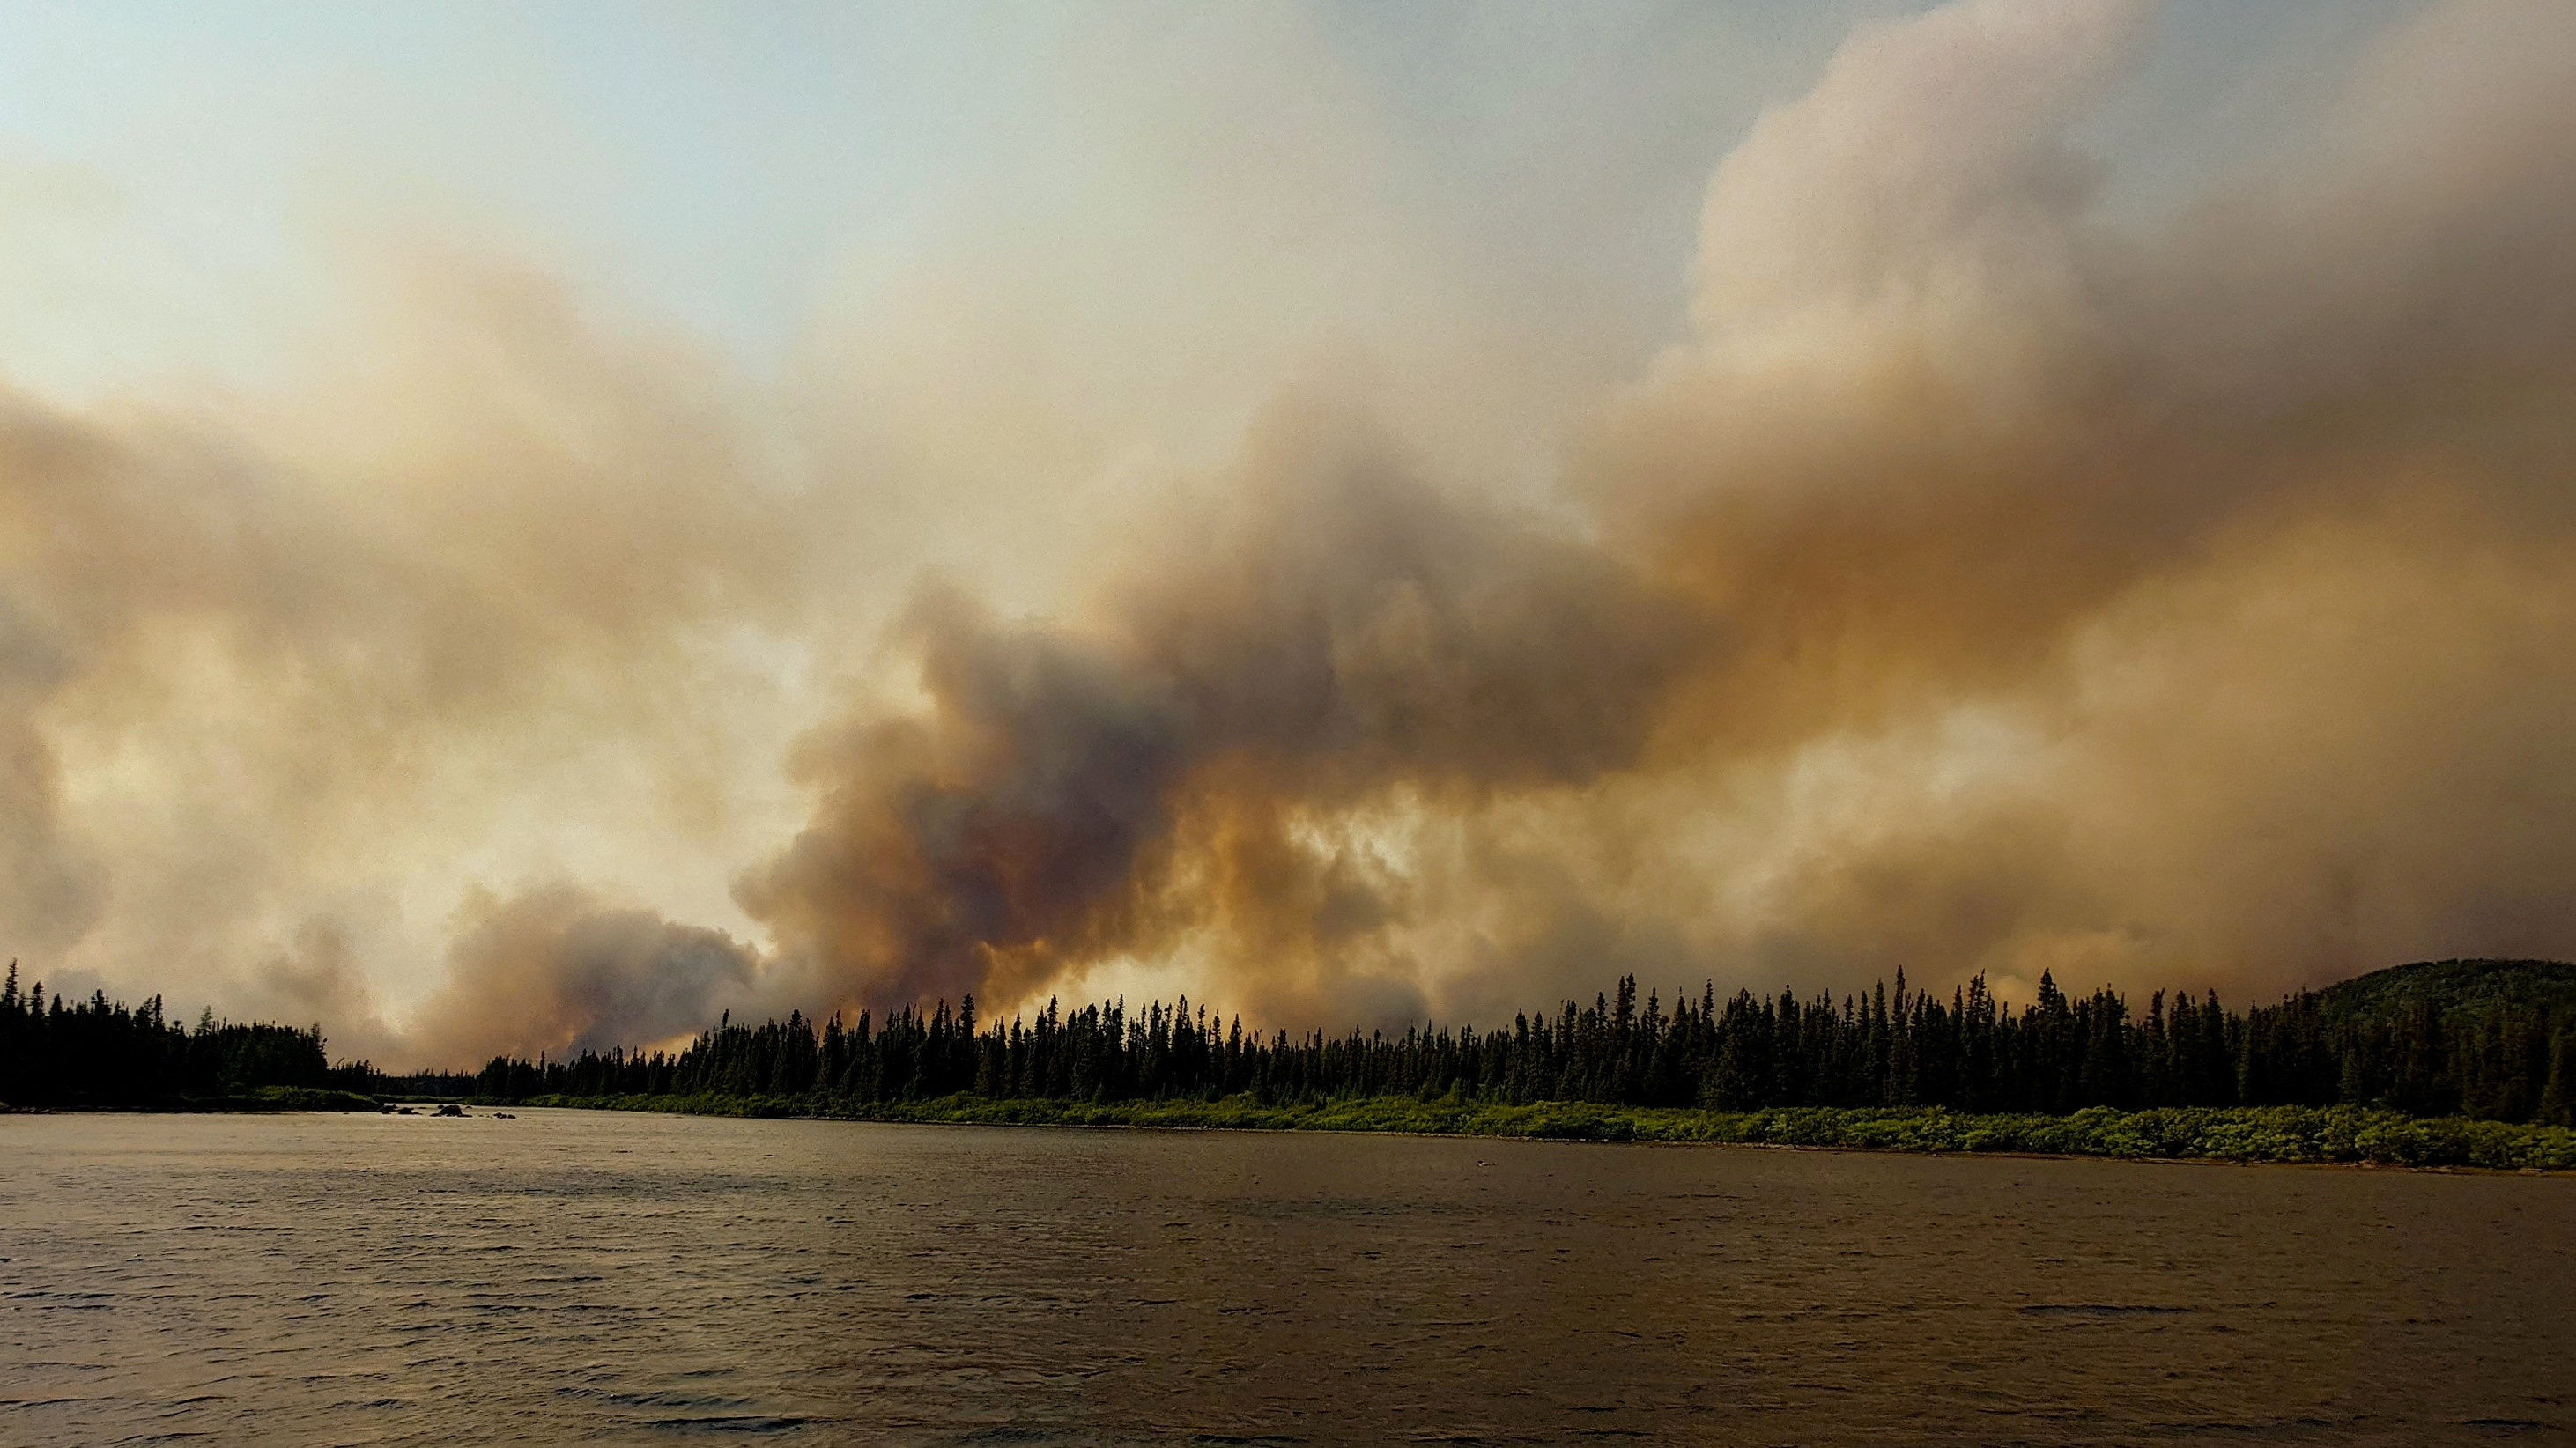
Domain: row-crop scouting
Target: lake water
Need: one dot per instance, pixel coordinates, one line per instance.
(586, 1277)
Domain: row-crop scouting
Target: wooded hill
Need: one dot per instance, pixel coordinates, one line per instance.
(2464, 993)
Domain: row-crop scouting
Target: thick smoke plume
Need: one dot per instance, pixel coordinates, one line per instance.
(250, 662)
(1332, 635)
(555, 969)
(2033, 593)
(1987, 583)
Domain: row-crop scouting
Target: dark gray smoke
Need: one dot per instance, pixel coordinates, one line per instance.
(554, 969)
(1331, 631)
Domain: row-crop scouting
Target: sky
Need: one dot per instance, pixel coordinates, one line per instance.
(524, 527)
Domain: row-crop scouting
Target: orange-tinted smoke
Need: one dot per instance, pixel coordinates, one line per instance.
(1954, 481)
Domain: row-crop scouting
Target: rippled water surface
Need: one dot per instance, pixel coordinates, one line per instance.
(588, 1277)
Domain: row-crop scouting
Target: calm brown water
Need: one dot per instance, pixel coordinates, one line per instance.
(577, 1277)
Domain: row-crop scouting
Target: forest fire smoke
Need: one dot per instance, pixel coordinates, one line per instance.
(1334, 632)
(1986, 584)
(2249, 551)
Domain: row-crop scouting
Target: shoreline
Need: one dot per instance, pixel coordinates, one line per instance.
(2566, 1173)
(262, 1101)
(2274, 1135)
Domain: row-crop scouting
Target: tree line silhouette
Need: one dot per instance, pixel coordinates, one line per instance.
(55, 1052)
(2508, 1060)
(2492, 1040)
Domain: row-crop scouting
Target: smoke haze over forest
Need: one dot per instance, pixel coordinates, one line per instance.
(2041, 531)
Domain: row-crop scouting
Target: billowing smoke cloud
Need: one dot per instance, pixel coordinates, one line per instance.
(1984, 584)
(2213, 582)
(1330, 633)
(2185, 603)
(555, 969)
(251, 660)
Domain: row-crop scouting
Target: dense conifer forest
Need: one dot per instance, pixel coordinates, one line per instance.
(2495, 1041)
(2489, 1040)
(95, 1052)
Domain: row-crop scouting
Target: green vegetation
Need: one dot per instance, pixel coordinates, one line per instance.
(2465, 994)
(2241, 1134)
(263, 1098)
(300, 1098)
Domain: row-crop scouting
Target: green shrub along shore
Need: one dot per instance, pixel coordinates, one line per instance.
(2234, 1134)
(256, 1098)
(283, 1098)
